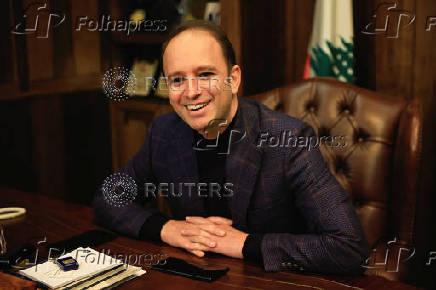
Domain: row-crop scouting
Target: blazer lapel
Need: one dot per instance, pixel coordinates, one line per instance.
(243, 163)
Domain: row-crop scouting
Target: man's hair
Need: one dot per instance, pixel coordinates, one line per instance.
(214, 30)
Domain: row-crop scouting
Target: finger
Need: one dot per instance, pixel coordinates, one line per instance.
(191, 232)
(197, 253)
(197, 220)
(220, 220)
(213, 230)
(188, 233)
(196, 247)
(203, 241)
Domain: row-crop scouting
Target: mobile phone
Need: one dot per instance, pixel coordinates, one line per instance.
(182, 268)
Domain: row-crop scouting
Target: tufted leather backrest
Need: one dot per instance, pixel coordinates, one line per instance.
(378, 165)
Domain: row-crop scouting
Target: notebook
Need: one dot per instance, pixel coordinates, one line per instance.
(95, 271)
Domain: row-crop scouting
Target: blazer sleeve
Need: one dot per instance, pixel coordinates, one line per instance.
(130, 218)
(335, 241)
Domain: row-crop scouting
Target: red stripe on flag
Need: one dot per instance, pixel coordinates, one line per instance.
(306, 67)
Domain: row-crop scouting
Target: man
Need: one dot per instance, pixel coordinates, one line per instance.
(279, 206)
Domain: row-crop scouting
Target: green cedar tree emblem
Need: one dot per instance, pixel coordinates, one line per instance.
(337, 62)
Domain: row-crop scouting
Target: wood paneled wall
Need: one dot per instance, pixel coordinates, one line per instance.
(270, 40)
(41, 70)
(405, 67)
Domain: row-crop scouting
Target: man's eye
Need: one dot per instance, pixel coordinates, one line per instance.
(176, 80)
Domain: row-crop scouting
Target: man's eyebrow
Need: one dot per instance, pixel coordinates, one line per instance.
(200, 68)
(174, 74)
(206, 67)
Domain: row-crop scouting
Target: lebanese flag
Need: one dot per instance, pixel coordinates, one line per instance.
(330, 52)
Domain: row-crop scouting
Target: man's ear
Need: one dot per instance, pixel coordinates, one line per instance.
(235, 78)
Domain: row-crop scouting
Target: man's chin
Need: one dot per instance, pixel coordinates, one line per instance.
(197, 125)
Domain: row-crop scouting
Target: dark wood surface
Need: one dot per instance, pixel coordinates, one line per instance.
(11, 282)
(58, 220)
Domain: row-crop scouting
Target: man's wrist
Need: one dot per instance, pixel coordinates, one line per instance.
(252, 249)
(152, 227)
(162, 231)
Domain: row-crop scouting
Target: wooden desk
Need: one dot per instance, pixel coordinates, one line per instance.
(57, 220)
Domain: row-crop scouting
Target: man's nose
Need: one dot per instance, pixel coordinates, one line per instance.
(193, 88)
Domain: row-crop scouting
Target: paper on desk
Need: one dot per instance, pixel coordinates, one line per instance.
(90, 262)
(106, 280)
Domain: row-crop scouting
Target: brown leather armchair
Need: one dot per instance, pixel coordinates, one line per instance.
(378, 166)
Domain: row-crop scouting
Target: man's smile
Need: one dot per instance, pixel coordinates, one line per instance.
(197, 107)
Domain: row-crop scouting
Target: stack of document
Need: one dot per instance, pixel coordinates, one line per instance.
(96, 271)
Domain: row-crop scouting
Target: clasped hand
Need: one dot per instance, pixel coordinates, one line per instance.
(199, 235)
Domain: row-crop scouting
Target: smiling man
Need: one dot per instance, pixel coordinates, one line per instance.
(278, 206)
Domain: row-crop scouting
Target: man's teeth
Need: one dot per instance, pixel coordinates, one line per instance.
(196, 107)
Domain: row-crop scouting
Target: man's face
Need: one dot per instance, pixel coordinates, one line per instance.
(197, 72)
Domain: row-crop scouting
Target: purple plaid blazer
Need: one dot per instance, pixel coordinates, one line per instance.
(287, 193)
